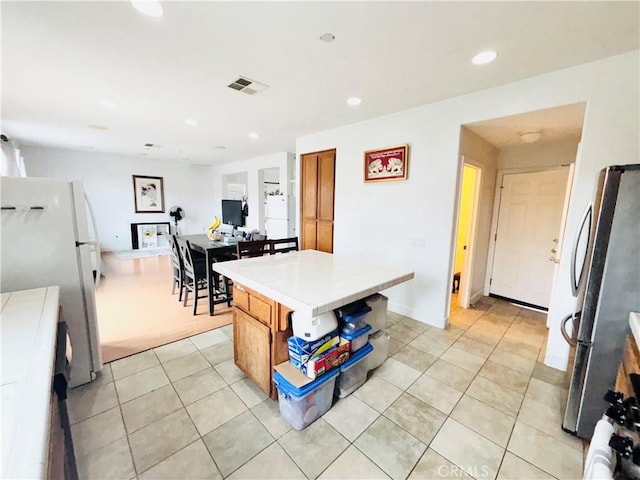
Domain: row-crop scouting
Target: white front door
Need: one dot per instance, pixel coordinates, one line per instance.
(527, 235)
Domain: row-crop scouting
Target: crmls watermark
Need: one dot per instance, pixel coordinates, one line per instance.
(452, 471)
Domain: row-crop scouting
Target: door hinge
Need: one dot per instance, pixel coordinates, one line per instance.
(495, 237)
(490, 280)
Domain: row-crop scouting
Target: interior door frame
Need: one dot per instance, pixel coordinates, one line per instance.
(496, 213)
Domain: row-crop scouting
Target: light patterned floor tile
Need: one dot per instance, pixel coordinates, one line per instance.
(248, 392)
(514, 468)
(507, 377)
(479, 335)
(154, 443)
(483, 419)
(350, 416)
(450, 374)
(495, 395)
(218, 408)
(134, 364)
(88, 400)
(218, 353)
(547, 420)
(467, 449)
(210, 338)
(193, 461)
(174, 350)
(378, 393)
(353, 465)
(550, 395)
(270, 464)
(414, 358)
(429, 345)
(150, 407)
(229, 371)
(518, 348)
(268, 412)
(390, 447)
(396, 373)
(186, 365)
(472, 346)
(463, 359)
(401, 334)
(112, 461)
(394, 346)
(313, 461)
(416, 417)
(513, 361)
(413, 325)
(236, 442)
(545, 452)
(140, 383)
(551, 375)
(434, 466)
(199, 385)
(435, 393)
(97, 431)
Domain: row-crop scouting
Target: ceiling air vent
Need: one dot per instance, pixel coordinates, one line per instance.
(248, 86)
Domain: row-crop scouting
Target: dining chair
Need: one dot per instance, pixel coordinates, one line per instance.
(178, 267)
(256, 248)
(283, 245)
(195, 273)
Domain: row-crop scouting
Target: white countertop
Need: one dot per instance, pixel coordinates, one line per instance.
(634, 323)
(312, 282)
(28, 329)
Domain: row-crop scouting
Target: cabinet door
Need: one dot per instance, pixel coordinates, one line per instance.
(326, 181)
(309, 185)
(308, 234)
(324, 236)
(251, 349)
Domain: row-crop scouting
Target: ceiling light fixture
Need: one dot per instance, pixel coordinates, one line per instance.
(98, 127)
(254, 136)
(485, 57)
(353, 101)
(191, 122)
(531, 136)
(220, 147)
(109, 105)
(327, 37)
(150, 8)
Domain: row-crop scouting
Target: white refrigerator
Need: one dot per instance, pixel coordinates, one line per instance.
(278, 217)
(45, 241)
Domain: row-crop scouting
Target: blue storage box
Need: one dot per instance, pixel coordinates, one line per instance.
(357, 338)
(302, 405)
(353, 372)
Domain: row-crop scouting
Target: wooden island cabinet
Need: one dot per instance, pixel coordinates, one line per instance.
(267, 289)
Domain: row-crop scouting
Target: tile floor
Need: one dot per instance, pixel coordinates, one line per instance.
(474, 398)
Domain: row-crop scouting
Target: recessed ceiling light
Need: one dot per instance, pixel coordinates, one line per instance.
(254, 136)
(482, 58)
(150, 8)
(220, 147)
(98, 127)
(353, 101)
(327, 37)
(191, 122)
(109, 105)
(531, 136)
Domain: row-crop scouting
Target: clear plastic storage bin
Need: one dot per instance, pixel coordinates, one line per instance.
(302, 406)
(377, 318)
(358, 338)
(380, 343)
(353, 372)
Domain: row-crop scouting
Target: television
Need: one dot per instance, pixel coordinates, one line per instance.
(232, 213)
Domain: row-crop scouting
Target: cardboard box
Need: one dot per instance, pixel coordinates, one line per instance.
(322, 363)
(301, 351)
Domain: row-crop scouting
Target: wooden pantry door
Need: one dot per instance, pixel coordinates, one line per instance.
(317, 194)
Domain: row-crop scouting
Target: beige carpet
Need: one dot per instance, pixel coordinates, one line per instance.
(136, 310)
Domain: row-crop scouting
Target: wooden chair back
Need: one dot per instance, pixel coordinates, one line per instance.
(176, 256)
(254, 248)
(283, 245)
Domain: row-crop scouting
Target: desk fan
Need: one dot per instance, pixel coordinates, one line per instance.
(178, 214)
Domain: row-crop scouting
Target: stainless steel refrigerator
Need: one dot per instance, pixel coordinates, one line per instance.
(605, 272)
(45, 241)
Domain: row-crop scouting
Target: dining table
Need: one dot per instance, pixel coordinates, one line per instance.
(214, 251)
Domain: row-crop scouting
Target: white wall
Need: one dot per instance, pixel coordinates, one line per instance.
(255, 193)
(11, 162)
(109, 185)
(550, 154)
(387, 218)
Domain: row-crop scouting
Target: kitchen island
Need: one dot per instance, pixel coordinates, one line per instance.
(266, 289)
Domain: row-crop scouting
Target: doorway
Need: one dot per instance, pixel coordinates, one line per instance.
(526, 237)
(465, 241)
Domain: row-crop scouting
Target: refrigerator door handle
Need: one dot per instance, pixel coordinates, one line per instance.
(95, 242)
(570, 339)
(586, 220)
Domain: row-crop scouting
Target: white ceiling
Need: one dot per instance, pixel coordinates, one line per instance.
(61, 59)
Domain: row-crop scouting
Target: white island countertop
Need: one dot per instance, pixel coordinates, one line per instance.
(634, 323)
(29, 325)
(312, 282)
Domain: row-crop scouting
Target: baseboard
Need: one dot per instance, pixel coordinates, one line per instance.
(414, 315)
(476, 296)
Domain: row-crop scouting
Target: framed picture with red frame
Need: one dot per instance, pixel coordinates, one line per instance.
(385, 164)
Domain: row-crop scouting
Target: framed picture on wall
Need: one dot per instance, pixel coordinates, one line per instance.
(148, 193)
(384, 164)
